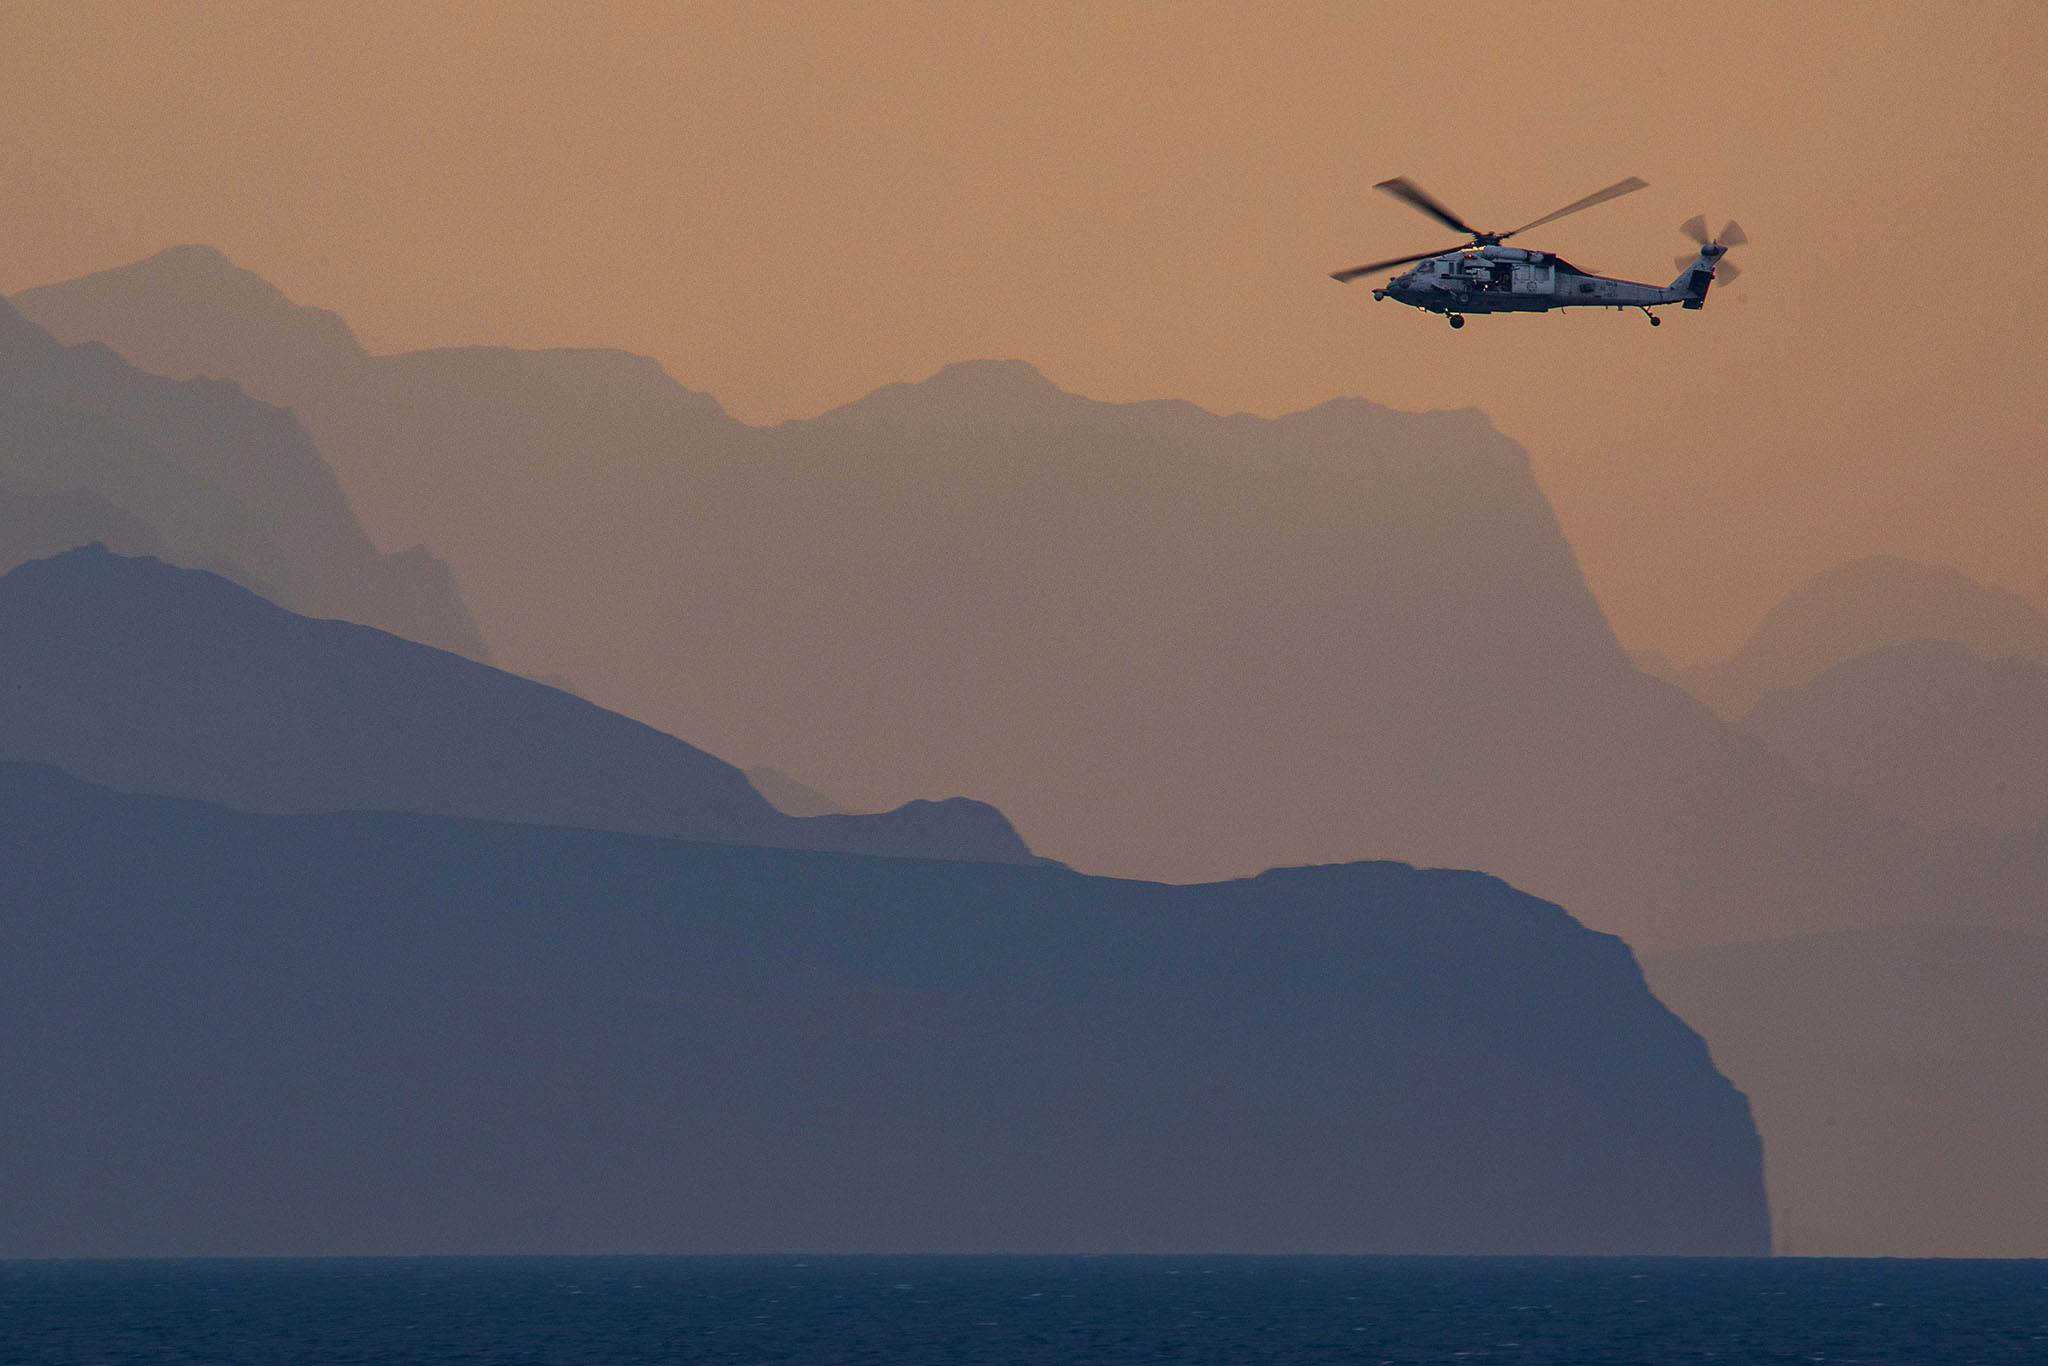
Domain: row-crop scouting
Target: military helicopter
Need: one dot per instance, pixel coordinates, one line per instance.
(1485, 277)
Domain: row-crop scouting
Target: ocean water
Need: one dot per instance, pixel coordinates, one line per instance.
(1014, 1310)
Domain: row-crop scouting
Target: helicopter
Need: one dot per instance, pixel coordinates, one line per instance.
(1485, 277)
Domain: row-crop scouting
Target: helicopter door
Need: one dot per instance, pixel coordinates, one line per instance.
(1534, 279)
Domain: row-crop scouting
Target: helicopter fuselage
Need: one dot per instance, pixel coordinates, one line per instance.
(1483, 276)
(1497, 279)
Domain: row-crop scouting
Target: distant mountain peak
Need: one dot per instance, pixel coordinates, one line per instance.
(90, 556)
(1892, 583)
(1860, 605)
(991, 373)
(158, 306)
(196, 263)
(971, 383)
(96, 557)
(95, 567)
(193, 254)
(1868, 571)
(184, 262)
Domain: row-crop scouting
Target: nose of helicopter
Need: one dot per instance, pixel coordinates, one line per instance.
(1401, 288)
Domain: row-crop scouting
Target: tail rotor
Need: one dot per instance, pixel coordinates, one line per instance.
(1699, 271)
(1724, 271)
(1713, 248)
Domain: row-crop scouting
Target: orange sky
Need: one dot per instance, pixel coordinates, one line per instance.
(791, 204)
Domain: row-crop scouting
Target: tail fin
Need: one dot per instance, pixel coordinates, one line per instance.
(1696, 274)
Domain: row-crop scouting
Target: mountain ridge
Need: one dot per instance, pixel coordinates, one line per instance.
(219, 301)
(1852, 608)
(1926, 731)
(151, 678)
(1168, 644)
(218, 475)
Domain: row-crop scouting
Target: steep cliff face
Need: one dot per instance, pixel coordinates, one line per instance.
(221, 479)
(224, 1033)
(1899, 1076)
(151, 678)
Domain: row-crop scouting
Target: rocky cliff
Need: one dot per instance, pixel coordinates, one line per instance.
(223, 1033)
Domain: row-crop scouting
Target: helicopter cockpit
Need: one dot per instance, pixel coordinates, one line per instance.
(1466, 270)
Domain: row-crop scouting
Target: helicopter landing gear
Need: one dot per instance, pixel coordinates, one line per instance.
(1457, 320)
(1655, 321)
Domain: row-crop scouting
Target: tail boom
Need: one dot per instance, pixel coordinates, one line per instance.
(1689, 290)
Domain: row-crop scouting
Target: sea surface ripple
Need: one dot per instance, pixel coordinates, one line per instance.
(1012, 1310)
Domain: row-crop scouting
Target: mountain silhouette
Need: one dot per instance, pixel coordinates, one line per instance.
(197, 304)
(232, 1034)
(1927, 732)
(219, 479)
(149, 678)
(789, 796)
(415, 426)
(36, 523)
(1852, 609)
(1900, 1080)
(1167, 643)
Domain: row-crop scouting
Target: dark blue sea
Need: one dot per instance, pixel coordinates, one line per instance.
(1023, 1310)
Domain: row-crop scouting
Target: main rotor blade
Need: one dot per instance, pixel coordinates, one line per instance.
(1401, 187)
(1732, 235)
(1695, 227)
(1345, 277)
(1614, 191)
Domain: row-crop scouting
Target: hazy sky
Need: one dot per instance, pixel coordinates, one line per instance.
(791, 204)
